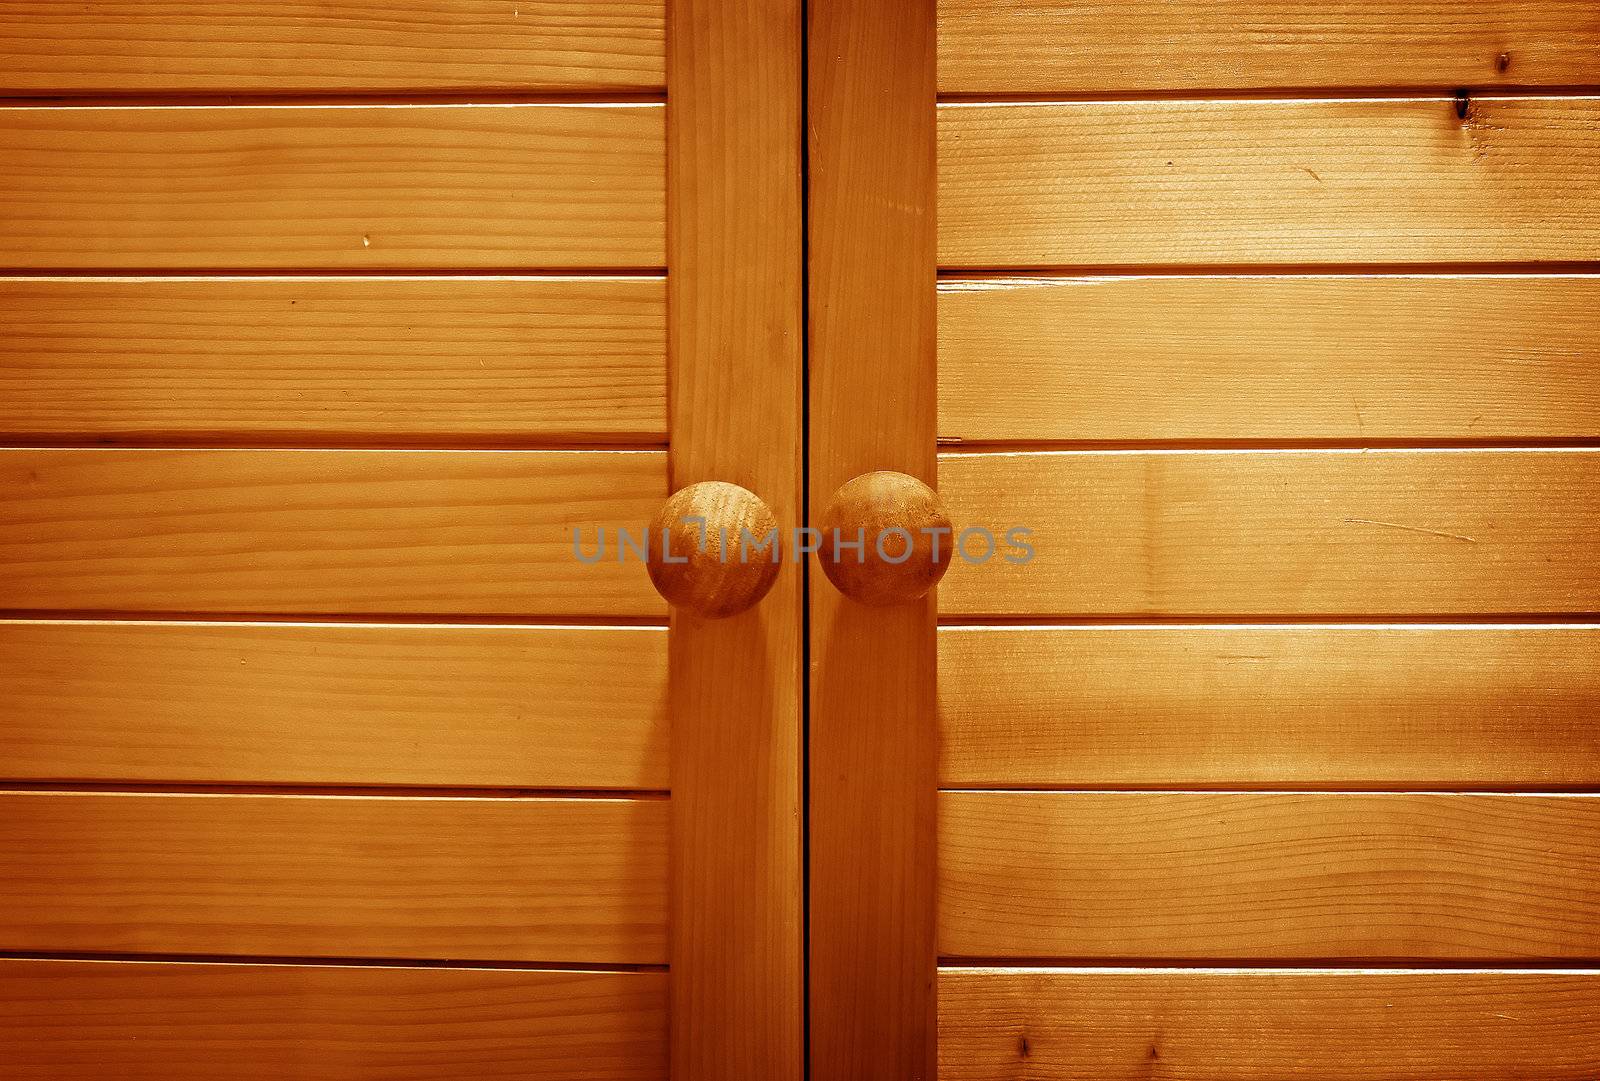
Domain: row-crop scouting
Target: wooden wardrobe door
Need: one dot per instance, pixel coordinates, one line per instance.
(322, 329)
(1279, 755)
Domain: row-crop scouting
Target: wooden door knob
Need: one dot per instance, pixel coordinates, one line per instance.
(714, 549)
(886, 538)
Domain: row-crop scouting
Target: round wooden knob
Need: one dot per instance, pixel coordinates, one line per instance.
(713, 549)
(885, 538)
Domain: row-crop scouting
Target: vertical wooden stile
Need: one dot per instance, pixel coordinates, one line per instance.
(870, 113)
(735, 341)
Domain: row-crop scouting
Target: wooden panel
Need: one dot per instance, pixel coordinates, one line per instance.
(143, 1021)
(1269, 875)
(1053, 46)
(334, 358)
(872, 376)
(325, 531)
(339, 186)
(1234, 1025)
(1359, 357)
(329, 703)
(1271, 532)
(335, 876)
(1212, 182)
(736, 294)
(1228, 705)
(271, 45)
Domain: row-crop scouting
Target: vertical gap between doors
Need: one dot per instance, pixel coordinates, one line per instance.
(805, 520)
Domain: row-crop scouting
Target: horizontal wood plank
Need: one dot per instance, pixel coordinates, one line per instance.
(152, 1021)
(1259, 705)
(335, 186)
(335, 876)
(1234, 1025)
(1269, 182)
(48, 47)
(1222, 875)
(262, 359)
(1058, 46)
(1359, 357)
(334, 704)
(334, 531)
(1277, 532)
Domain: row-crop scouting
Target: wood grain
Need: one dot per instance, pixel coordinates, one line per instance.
(336, 186)
(348, 359)
(1361, 705)
(354, 45)
(340, 531)
(147, 1021)
(871, 370)
(1358, 357)
(1268, 875)
(1277, 533)
(1056, 46)
(335, 876)
(1233, 182)
(1264, 1025)
(267, 703)
(736, 354)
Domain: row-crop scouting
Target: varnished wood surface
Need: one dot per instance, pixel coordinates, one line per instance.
(871, 370)
(894, 520)
(736, 324)
(261, 703)
(1278, 533)
(1058, 46)
(425, 532)
(1240, 1025)
(336, 186)
(1220, 182)
(145, 1021)
(349, 359)
(1357, 357)
(717, 552)
(271, 45)
(1354, 705)
(1268, 875)
(335, 876)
